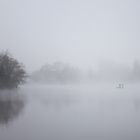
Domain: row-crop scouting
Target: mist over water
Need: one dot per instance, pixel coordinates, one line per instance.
(82, 70)
(100, 112)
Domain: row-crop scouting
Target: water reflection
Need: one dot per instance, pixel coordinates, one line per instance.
(11, 105)
(70, 114)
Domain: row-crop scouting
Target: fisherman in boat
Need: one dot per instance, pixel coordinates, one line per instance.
(120, 86)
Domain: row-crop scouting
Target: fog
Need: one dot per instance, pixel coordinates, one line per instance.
(100, 112)
(82, 70)
(82, 33)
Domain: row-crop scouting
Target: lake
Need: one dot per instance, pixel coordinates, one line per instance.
(78, 112)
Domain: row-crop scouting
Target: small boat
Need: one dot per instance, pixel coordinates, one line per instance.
(120, 86)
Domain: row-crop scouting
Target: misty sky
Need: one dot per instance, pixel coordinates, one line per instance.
(81, 32)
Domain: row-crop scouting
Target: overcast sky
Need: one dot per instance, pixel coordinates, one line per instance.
(81, 32)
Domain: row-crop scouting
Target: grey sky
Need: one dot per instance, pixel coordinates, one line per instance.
(81, 32)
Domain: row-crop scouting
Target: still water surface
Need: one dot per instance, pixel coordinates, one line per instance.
(70, 113)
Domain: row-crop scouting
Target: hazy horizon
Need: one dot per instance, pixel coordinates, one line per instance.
(82, 33)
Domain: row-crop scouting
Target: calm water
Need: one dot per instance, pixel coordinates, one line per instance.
(70, 113)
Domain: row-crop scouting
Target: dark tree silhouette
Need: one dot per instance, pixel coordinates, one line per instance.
(12, 72)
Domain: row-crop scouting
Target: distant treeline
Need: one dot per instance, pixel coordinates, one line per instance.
(65, 73)
(57, 73)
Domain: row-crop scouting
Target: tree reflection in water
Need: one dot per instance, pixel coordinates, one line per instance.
(11, 105)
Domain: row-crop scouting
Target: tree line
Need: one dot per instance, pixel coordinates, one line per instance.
(13, 74)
